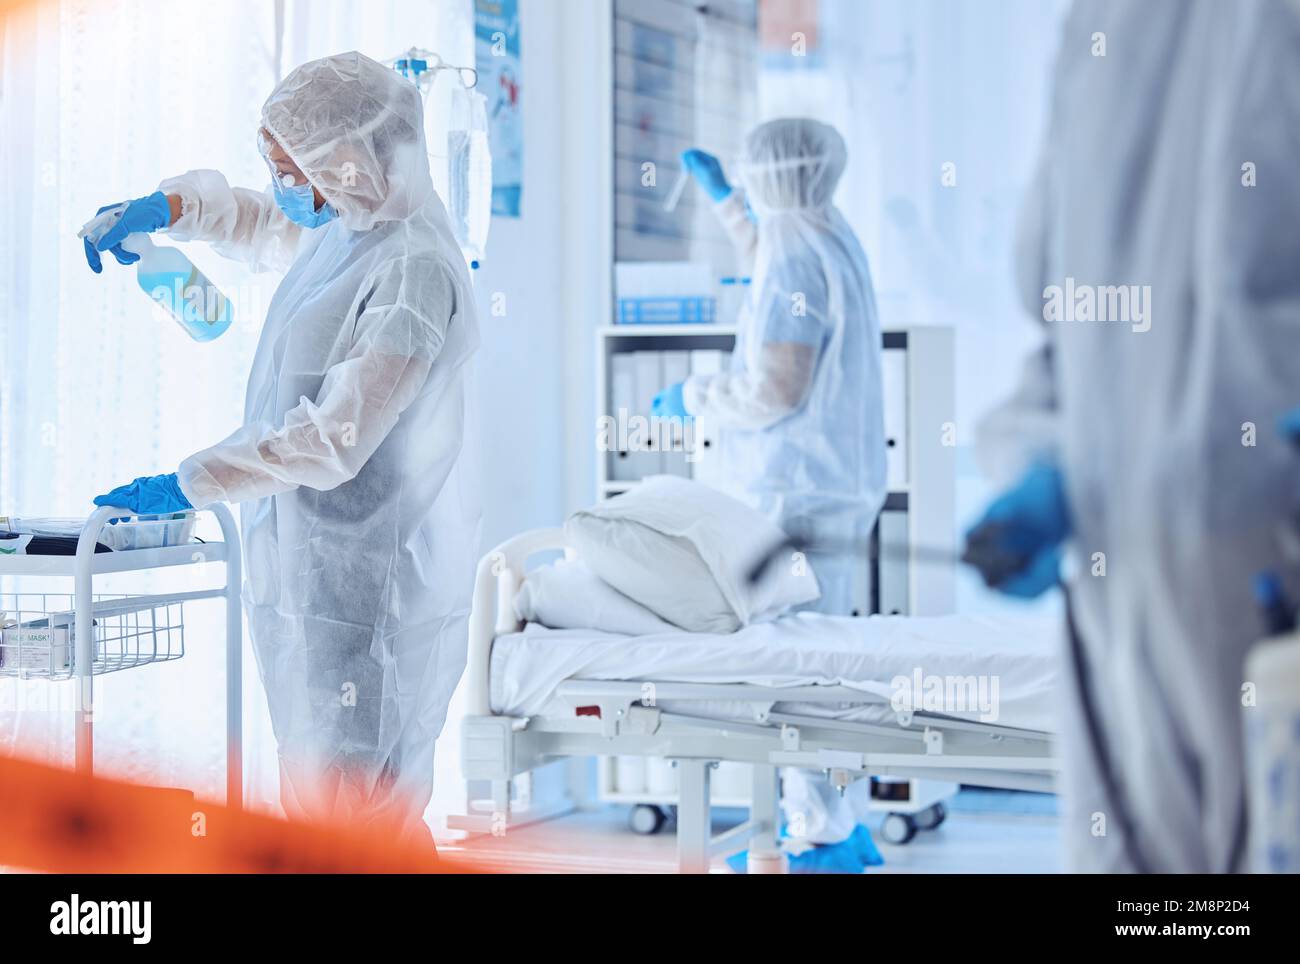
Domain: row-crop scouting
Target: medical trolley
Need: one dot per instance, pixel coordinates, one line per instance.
(74, 637)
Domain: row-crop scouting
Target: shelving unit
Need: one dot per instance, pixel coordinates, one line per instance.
(919, 410)
(614, 340)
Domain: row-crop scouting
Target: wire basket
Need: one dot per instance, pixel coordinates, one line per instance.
(39, 635)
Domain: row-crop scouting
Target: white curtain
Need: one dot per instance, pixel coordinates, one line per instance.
(99, 100)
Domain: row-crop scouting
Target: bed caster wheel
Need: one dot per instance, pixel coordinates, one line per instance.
(898, 828)
(931, 817)
(646, 819)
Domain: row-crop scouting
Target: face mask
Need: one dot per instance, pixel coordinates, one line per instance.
(299, 204)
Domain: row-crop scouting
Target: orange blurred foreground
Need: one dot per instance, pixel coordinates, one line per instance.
(54, 820)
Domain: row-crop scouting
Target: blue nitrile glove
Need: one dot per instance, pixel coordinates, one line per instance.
(706, 170)
(669, 402)
(1289, 426)
(838, 858)
(1016, 546)
(142, 215)
(1279, 615)
(861, 841)
(148, 495)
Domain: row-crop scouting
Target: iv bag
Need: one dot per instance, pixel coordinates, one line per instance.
(469, 172)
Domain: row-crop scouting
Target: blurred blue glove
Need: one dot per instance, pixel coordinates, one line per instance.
(148, 495)
(669, 402)
(1289, 426)
(142, 215)
(851, 856)
(707, 173)
(1016, 546)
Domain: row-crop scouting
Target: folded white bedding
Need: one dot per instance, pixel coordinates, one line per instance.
(684, 551)
(567, 595)
(1000, 670)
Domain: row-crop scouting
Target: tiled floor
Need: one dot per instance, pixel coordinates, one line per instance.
(981, 835)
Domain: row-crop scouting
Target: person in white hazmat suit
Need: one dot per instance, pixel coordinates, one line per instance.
(1146, 444)
(801, 410)
(359, 516)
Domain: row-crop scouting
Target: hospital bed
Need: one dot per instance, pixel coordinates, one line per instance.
(802, 690)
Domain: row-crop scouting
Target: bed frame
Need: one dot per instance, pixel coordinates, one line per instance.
(618, 719)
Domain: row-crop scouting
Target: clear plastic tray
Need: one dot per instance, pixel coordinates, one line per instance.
(136, 532)
(149, 532)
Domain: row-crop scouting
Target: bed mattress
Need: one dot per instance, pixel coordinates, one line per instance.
(992, 670)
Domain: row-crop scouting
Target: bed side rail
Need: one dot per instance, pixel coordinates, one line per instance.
(496, 581)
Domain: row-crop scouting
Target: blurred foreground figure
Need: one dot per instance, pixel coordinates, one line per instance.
(1159, 246)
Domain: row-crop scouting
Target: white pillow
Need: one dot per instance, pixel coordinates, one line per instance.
(566, 595)
(684, 551)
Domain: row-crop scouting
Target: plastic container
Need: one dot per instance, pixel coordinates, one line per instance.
(1272, 734)
(138, 532)
(150, 532)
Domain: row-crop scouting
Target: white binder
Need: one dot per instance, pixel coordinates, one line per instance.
(677, 368)
(893, 377)
(622, 404)
(649, 382)
(703, 458)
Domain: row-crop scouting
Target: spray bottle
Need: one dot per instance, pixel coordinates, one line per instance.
(171, 279)
(1271, 726)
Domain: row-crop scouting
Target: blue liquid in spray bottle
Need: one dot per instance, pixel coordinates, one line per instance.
(172, 280)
